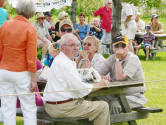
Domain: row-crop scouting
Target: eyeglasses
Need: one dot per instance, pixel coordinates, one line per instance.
(41, 18)
(69, 30)
(72, 45)
(87, 44)
(120, 45)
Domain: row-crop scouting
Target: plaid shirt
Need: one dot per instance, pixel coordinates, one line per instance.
(148, 38)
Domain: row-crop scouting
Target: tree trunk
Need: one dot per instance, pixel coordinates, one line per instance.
(73, 11)
(116, 17)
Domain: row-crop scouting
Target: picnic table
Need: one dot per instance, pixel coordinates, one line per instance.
(121, 89)
(159, 46)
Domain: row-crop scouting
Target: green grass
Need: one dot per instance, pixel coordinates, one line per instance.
(155, 91)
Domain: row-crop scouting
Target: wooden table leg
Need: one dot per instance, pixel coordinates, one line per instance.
(126, 108)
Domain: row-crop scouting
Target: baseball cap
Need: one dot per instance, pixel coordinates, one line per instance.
(147, 27)
(48, 14)
(154, 16)
(120, 39)
(40, 15)
(67, 22)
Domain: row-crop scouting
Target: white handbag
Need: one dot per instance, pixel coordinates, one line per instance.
(44, 73)
(89, 75)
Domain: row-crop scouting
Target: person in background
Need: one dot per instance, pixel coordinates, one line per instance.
(156, 26)
(65, 26)
(123, 66)
(3, 18)
(139, 23)
(3, 13)
(62, 15)
(105, 14)
(44, 38)
(71, 103)
(95, 29)
(82, 29)
(140, 28)
(90, 55)
(18, 54)
(148, 41)
(48, 19)
(128, 22)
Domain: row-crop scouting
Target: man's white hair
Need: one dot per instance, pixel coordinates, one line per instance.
(107, 1)
(25, 8)
(65, 38)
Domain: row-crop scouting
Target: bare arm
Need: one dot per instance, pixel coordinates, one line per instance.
(119, 71)
(97, 29)
(127, 20)
(58, 33)
(100, 85)
(33, 82)
(153, 44)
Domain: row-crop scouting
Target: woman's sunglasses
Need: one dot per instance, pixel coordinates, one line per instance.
(41, 18)
(69, 30)
(87, 44)
(120, 45)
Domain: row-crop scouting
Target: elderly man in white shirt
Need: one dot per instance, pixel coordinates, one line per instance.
(140, 23)
(140, 28)
(128, 22)
(63, 76)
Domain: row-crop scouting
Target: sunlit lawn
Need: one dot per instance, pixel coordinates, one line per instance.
(156, 91)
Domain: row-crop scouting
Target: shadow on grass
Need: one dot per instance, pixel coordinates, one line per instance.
(157, 58)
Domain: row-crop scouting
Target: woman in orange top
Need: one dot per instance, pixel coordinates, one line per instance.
(18, 54)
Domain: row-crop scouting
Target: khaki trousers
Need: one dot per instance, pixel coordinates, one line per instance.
(98, 111)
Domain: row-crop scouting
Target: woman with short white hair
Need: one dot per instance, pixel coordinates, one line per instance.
(62, 15)
(18, 55)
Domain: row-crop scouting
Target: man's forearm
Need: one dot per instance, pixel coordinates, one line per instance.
(119, 71)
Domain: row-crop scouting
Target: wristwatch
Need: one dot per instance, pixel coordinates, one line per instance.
(117, 60)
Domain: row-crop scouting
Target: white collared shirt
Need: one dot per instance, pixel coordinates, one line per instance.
(140, 25)
(63, 75)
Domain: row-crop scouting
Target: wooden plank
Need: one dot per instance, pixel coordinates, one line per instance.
(125, 117)
(126, 108)
(117, 88)
(159, 50)
(148, 110)
(44, 118)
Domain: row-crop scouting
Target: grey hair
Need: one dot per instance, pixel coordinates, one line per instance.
(62, 14)
(25, 8)
(106, 1)
(65, 38)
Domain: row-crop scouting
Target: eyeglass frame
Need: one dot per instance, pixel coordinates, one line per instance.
(68, 30)
(87, 44)
(123, 45)
(72, 45)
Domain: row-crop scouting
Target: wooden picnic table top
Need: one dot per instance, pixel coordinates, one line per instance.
(118, 88)
(158, 36)
(123, 87)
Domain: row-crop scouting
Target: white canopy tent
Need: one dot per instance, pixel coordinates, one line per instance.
(45, 5)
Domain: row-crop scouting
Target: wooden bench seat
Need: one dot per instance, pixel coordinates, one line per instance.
(136, 114)
(148, 110)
